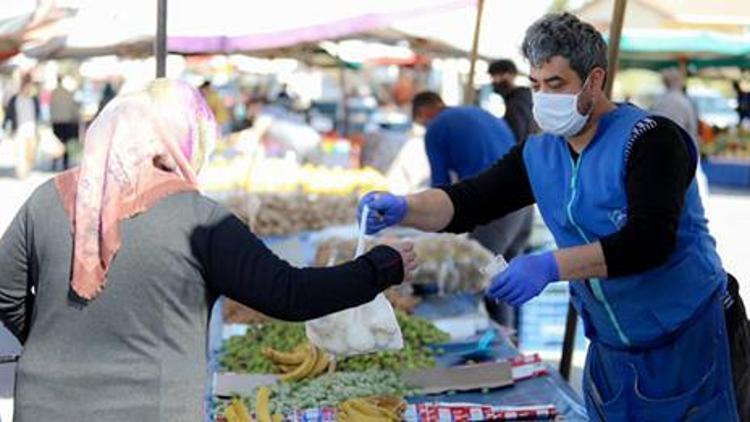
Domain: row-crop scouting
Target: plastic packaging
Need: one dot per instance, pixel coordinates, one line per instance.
(495, 267)
(368, 328)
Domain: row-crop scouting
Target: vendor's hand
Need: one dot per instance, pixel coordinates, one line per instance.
(408, 257)
(524, 279)
(386, 210)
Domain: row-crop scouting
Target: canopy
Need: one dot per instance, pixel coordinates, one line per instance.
(20, 18)
(128, 28)
(656, 49)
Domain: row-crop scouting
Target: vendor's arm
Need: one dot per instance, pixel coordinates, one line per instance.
(237, 264)
(14, 270)
(659, 170)
(457, 208)
(658, 173)
(492, 194)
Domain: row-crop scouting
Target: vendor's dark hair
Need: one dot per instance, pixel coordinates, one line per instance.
(425, 99)
(502, 66)
(563, 34)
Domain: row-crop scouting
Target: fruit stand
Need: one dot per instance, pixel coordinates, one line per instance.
(727, 161)
(268, 367)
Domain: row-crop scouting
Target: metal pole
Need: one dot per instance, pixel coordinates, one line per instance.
(344, 98)
(469, 91)
(571, 323)
(160, 42)
(615, 32)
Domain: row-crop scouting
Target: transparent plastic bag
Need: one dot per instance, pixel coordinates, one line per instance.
(368, 328)
(495, 266)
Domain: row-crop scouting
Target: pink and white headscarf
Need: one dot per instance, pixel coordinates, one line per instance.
(143, 147)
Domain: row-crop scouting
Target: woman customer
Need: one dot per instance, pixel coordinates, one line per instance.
(109, 271)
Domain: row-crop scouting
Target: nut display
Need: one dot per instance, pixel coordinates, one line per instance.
(453, 262)
(271, 214)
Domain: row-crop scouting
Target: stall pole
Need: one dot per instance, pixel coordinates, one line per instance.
(615, 32)
(469, 93)
(160, 42)
(569, 340)
(344, 98)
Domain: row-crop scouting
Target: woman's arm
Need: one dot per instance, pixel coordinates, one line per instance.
(241, 267)
(14, 283)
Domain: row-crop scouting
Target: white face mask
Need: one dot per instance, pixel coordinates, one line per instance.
(558, 113)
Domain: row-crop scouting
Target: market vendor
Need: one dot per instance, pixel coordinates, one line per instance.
(109, 271)
(616, 186)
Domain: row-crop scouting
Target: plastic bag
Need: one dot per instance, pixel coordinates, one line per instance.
(368, 328)
(495, 267)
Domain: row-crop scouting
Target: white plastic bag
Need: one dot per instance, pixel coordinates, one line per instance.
(368, 328)
(495, 266)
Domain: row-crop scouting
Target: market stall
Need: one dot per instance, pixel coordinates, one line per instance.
(513, 387)
(262, 369)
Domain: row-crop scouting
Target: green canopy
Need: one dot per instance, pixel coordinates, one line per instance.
(657, 49)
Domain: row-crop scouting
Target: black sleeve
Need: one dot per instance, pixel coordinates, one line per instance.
(658, 172)
(14, 270)
(494, 193)
(239, 266)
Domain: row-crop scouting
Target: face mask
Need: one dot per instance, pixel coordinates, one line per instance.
(558, 113)
(502, 88)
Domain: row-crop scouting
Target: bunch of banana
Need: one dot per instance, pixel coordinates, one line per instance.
(371, 409)
(237, 412)
(305, 361)
(262, 414)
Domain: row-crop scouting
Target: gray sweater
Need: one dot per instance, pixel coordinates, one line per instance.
(138, 351)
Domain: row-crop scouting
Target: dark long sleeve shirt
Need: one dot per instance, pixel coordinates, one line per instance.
(658, 172)
(518, 113)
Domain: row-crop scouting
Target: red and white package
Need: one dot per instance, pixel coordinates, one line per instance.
(524, 367)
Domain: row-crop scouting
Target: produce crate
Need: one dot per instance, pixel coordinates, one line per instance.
(542, 321)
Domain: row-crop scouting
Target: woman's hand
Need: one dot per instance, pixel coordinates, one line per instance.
(408, 257)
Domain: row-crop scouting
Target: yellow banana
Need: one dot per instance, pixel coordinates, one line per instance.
(354, 414)
(237, 412)
(287, 368)
(371, 409)
(262, 414)
(283, 358)
(277, 417)
(320, 365)
(303, 370)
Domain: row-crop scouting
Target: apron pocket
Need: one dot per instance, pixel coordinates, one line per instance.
(677, 407)
(715, 409)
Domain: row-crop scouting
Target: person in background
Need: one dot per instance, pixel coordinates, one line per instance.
(743, 101)
(462, 142)
(64, 116)
(22, 114)
(675, 104)
(517, 99)
(223, 119)
(108, 94)
(616, 187)
(122, 259)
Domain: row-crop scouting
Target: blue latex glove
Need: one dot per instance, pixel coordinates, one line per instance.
(386, 210)
(524, 279)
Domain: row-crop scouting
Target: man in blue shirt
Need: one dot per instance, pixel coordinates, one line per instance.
(462, 142)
